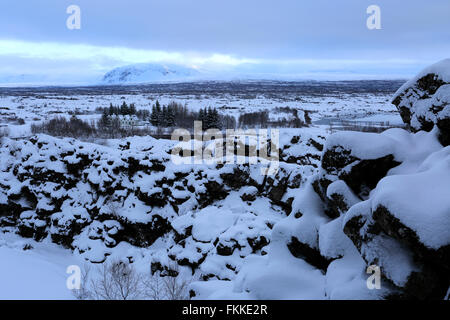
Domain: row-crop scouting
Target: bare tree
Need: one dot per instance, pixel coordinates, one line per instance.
(4, 132)
(176, 288)
(154, 287)
(84, 293)
(117, 281)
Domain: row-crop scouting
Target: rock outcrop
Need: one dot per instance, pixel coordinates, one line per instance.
(424, 101)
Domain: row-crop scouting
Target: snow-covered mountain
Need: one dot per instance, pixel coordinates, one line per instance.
(149, 72)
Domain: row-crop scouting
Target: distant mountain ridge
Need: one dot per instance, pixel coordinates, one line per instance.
(150, 72)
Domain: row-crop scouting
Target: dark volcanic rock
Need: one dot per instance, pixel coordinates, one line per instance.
(310, 255)
(379, 235)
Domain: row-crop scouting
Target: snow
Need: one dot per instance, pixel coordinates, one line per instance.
(280, 279)
(333, 243)
(362, 145)
(35, 274)
(423, 103)
(346, 279)
(421, 201)
(210, 222)
(340, 187)
(416, 192)
(411, 149)
(394, 258)
(217, 290)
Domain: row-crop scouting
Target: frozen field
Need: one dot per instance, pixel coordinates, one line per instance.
(345, 100)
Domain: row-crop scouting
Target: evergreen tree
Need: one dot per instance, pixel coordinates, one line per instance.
(103, 123)
(111, 109)
(171, 113)
(215, 119)
(163, 118)
(202, 117)
(132, 109)
(159, 119)
(211, 119)
(124, 110)
(154, 117)
(207, 119)
(308, 119)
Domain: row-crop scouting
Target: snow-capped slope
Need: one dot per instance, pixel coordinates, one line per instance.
(148, 72)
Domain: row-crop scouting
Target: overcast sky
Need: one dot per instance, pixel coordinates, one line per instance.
(299, 37)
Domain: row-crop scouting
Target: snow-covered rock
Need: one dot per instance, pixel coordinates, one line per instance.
(404, 225)
(424, 101)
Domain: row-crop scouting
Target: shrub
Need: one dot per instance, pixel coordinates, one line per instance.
(119, 280)
(4, 132)
(60, 126)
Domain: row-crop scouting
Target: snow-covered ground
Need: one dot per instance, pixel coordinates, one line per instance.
(371, 104)
(336, 204)
(33, 270)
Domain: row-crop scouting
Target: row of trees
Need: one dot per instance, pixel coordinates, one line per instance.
(172, 115)
(124, 109)
(261, 119)
(77, 128)
(60, 126)
(254, 119)
(210, 118)
(168, 116)
(178, 115)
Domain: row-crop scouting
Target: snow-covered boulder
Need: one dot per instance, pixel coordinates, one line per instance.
(424, 101)
(358, 160)
(404, 227)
